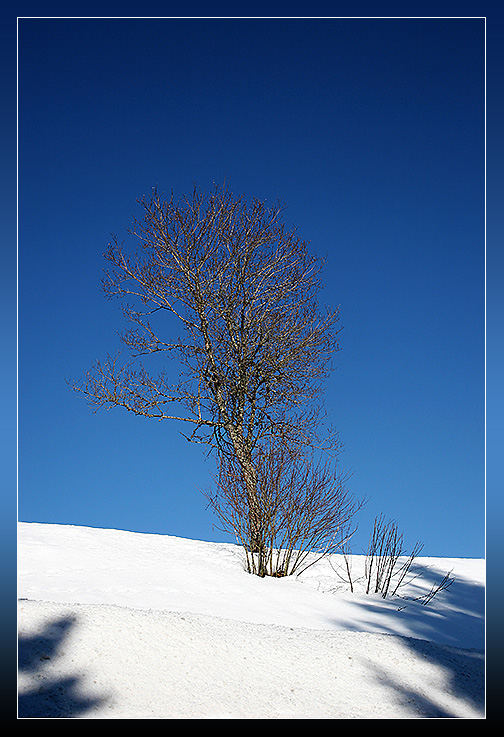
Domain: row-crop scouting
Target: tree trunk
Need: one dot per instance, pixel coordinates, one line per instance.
(256, 523)
(255, 516)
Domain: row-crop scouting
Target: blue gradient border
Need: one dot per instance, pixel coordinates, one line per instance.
(495, 302)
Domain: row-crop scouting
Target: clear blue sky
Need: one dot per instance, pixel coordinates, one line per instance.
(372, 134)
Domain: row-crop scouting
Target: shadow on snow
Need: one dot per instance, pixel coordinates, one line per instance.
(440, 634)
(56, 697)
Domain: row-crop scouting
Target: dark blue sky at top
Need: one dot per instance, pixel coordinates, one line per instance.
(372, 135)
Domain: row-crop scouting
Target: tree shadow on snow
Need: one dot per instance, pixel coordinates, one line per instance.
(463, 670)
(55, 697)
(441, 631)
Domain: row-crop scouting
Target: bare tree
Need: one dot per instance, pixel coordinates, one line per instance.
(254, 347)
(306, 511)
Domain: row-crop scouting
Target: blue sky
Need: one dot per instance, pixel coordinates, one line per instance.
(372, 134)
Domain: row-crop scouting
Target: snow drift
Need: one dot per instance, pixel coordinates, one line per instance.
(116, 624)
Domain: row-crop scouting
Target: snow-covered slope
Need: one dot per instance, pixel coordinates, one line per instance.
(120, 624)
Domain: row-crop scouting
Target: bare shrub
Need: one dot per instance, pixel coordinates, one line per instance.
(387, 567)
(304, 511)
(383, 572)
(425, 599)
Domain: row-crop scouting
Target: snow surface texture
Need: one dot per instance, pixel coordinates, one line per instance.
(117, 624)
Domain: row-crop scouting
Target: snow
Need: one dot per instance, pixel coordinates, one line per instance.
(116, 624)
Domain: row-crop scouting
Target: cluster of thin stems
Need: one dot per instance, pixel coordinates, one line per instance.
(387, 570)
(304, 511)
(385, 567)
